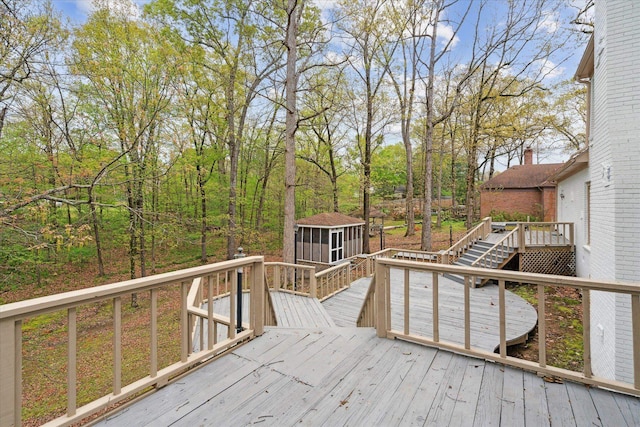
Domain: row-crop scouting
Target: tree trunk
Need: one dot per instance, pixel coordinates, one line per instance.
(439, 184)
(291, 124)
(96, 232)
(425, 241)
(203, 213)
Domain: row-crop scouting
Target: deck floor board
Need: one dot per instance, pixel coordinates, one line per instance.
(521, 317)
(338, 376)
(317, 368)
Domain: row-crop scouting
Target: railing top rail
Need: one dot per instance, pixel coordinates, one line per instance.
(415, 251)
(516, 276)
(287, 264)
(471, 233)
(510, 224)
(379, 253)
(499, 243)
(335, 268)
(55, 302)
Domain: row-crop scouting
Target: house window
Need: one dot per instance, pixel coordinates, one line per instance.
(587, 219)
(337, 240)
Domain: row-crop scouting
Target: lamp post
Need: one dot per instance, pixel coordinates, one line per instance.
(295, 256)
(239, 292)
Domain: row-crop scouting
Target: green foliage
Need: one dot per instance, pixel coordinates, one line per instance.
(512, 217)
(388, 170)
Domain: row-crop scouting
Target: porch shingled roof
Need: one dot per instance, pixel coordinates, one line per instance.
(523, 176)
(329, 219)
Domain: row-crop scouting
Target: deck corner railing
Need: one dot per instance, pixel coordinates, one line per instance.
(192, 286)
(376, 311)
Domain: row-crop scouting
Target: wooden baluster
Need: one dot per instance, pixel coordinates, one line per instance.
(586, 332)
(387, 297)
(406, 301)
(542, 328)
(232, 303)
(153, 369)
(467, 312)
(72, 351)
(436, 315)
(184, 323)
(210, 328)
(117, 345)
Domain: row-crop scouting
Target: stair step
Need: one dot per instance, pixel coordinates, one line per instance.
(476, 252)
(483, 244)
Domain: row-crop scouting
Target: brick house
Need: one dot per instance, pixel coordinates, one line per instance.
(603, 197)
(523, 189)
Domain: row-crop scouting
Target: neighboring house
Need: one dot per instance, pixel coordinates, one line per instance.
(328, 238)
(523, 189)
(604, 198)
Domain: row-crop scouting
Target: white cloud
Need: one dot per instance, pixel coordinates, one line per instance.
(550, 22)
(549, 70)
(446, 33)
(85, 6)
(129, 8)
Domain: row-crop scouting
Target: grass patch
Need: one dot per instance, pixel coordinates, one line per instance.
(564, 341)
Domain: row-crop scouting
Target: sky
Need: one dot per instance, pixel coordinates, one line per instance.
(78, 10)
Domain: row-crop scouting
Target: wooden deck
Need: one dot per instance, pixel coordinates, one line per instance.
(348, 376)
(485, 326)
(323, 374)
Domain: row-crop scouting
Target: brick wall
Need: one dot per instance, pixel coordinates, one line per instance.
(549, 204)
(522, 201)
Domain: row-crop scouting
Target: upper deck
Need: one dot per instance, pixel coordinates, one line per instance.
(348, 376)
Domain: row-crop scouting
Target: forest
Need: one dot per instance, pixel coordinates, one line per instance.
(146, 137)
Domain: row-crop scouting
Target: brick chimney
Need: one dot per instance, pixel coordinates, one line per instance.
(528, 156)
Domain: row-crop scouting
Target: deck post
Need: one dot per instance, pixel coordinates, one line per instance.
(10, 369)
(380, 300)
(276, 278)
(521, 243)
(313, 284)
(258, 297)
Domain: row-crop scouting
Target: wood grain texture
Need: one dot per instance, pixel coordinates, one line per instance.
(348, 376)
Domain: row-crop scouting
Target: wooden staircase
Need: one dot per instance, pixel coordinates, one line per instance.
(483, 247)
(486, 253)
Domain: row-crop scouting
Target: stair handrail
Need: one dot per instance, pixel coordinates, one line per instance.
(478, 232)
(367, 315)
(481, 261)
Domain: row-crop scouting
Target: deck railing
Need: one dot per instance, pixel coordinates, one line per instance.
(479, 232)
(544, 234)
(376, 312)
(302, 279)
(498, 252)
(206, 277)
(297, 279)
